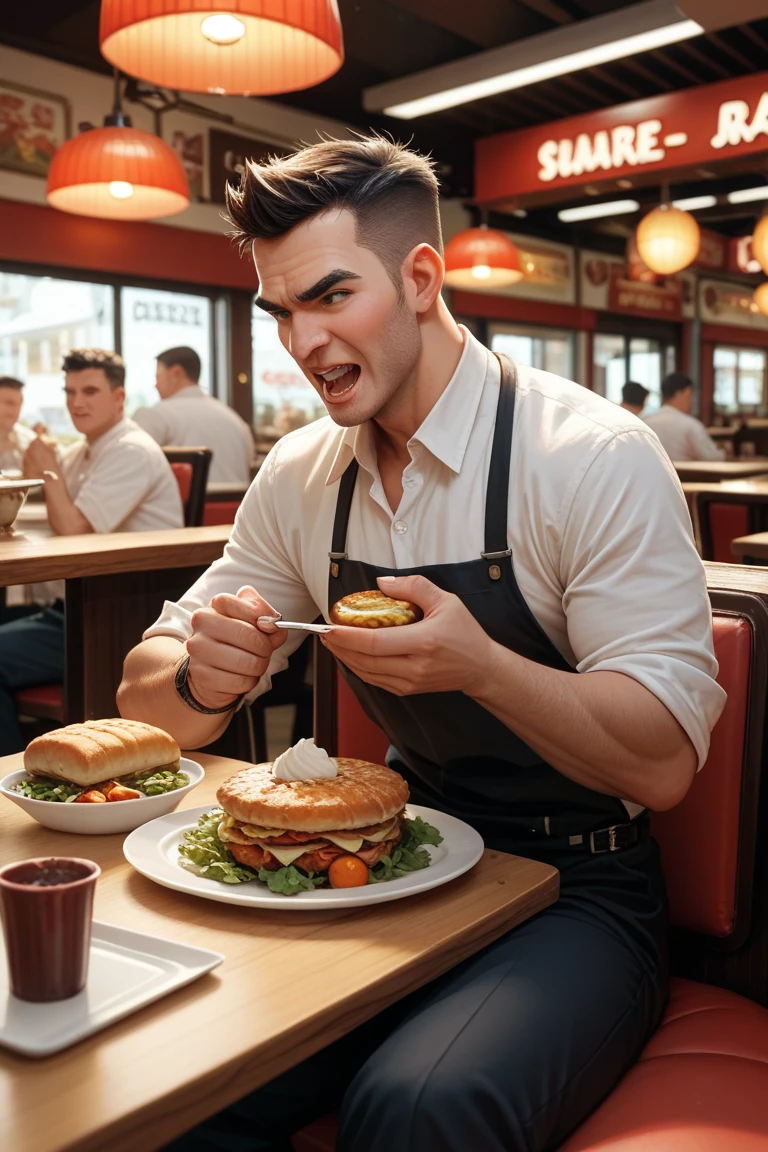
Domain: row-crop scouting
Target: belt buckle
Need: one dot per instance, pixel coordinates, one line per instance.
(613, 845)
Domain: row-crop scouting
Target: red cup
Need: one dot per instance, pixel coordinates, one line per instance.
(47, 910)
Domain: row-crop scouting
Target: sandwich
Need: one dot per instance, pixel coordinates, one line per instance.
(102, 760)
(269, 824)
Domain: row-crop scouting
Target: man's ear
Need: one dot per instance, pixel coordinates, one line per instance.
(423, 273)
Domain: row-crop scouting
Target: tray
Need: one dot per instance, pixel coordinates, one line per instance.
(127, 970)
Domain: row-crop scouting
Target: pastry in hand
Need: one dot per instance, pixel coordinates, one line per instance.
(374, 610)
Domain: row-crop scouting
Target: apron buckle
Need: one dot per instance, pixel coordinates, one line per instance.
(334, 557)
(494, 570)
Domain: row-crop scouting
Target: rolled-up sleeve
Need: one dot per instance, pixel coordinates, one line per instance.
(635, 595)
(256, 555)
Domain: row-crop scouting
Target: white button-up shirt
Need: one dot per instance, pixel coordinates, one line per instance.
(192, 418)
(683, 437)
(597, 523)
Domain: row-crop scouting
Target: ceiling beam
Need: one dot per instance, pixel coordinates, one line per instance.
(702, 58)
(552, 11)
(734, 53)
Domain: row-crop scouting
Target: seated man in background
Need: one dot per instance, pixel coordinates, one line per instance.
(15, 438)
(633, 397)
(114, 480)
(682, 436)
(188, 416)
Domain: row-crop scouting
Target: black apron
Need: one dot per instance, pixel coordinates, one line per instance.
(456, 755)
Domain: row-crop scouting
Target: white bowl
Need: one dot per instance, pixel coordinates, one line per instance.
(99, 819)
(13, 493)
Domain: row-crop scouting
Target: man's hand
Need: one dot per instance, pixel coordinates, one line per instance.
(228, 652)
(447, 651)
(39, 458)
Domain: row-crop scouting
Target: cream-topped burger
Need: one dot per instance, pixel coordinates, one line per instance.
(308, 810)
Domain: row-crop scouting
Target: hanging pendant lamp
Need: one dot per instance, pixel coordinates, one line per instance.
(481, 258)
(668, 239)
(234, 47)
(760, 244)
(760, 297)
(117, 172)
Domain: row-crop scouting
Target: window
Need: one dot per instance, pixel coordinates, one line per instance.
(153, 321)
(41, 318)
(618, 358)
(283, 398)
(542, 348)
(740, 379)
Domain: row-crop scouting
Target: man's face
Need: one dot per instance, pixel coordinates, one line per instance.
(92, 404)
(164, 381)
(354, 337)
(10, 409)
(685, 400)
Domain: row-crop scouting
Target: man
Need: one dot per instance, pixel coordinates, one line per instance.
(633, 397)
(114, 480)
(411, 484)
(15, 438)
(187, 416)
(682, 436)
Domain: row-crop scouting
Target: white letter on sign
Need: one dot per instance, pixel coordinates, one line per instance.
(731, 123)
(647, 142)
(547, 157)
(623, 138)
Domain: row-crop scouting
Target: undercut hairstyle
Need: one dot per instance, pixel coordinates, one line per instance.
(11, 382)
(110, 363)
(673, 383)
(634, 393)
(391, 191)
(186, 358)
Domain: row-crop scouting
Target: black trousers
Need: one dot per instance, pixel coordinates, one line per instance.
(507, 1052)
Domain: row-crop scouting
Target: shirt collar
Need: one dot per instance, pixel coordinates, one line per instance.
(107, 437)
(446, 429)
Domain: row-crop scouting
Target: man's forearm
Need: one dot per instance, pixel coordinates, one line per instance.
(602, 729)
(148, 693)
(64, 516)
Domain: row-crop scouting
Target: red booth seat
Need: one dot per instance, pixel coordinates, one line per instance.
(220, 511)
(701, 1083)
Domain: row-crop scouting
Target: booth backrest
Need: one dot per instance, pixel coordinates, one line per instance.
(708, 841)
(183, 474)
(220, 511)
(726, 522)
(190, 467)
(699, 839)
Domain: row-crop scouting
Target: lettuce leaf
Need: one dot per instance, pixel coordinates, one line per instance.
(203, 853)
(288, 881)
(409, 855)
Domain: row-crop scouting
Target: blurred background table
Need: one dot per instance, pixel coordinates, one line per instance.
(717, 470)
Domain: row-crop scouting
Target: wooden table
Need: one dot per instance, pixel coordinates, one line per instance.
(291, 983)
(716, 470)
(752, 547)
(115, 587)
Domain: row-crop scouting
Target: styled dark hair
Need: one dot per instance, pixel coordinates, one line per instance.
(186, 358)
(391, 191)
(673, 383)
(634, 393)
(110, 363)
(11, 382)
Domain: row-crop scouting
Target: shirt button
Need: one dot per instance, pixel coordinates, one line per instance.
(400, 527)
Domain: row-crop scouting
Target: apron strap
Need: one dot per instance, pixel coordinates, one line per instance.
(497, 492)
(341, 519)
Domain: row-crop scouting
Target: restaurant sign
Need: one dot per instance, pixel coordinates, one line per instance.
(634, 298)
(673, 131)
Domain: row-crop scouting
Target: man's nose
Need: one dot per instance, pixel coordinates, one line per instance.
(307, 335)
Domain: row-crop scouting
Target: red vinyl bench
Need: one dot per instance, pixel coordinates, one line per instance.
(701, 1084)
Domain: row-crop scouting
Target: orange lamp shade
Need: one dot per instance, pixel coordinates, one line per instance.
(235, 47)
(760, 297)
(668, 239)
(481, 258)
(760, 244)
(118, 173)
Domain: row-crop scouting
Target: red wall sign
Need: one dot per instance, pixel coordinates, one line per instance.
(679, 129)
(665, 301)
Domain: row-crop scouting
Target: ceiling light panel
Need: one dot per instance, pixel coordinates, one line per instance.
(595, 211)
(746, 195)
(579, 45)
(691, 203)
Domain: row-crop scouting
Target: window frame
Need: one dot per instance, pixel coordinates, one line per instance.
(740, 408)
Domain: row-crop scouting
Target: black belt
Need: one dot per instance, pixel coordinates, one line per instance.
(613, 839)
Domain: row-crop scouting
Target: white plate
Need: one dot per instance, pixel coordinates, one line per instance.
(101, 819)
(153, 850)
(127, 970)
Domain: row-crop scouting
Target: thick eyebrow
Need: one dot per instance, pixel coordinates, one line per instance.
(319, 289)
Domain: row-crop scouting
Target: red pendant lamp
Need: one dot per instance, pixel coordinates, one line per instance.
(481, 258)
(234, 47)
(117, 172)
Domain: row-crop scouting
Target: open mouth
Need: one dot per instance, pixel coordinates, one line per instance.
(338, 380)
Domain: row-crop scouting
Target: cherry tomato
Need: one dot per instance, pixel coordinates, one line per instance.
(348, 872)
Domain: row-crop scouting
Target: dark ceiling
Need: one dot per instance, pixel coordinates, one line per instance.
(386, 39)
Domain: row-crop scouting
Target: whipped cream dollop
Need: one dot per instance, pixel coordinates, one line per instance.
(305, 761)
